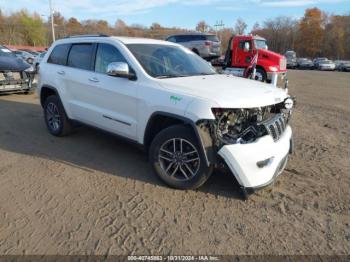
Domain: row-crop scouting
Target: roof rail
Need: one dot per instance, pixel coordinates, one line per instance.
(93, 35)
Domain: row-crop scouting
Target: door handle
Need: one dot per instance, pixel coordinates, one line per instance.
(61, 72)
(94, 79)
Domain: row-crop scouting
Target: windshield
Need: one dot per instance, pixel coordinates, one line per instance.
(260, 44)
(6, 52)
(165, 61)
(290, 54)
(212, 38)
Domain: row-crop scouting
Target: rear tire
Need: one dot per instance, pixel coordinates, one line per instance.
(56, 118)
(177, 159)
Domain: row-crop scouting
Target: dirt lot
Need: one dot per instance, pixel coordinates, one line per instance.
(91, 193)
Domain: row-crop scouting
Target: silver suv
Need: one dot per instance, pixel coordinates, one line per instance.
(205, 45)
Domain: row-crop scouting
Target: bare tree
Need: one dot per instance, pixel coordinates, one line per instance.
(240, 26)
(121, 27)
(202, 26)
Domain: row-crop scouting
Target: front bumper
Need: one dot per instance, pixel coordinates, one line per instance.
(291, 64)
(278, 78)
(24, 84)
(327, 68)
(244, 160)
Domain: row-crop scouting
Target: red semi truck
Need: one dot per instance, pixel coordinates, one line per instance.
(241, 54)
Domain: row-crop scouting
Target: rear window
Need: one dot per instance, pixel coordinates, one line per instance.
(188, 38)
(212, 38)
(59, 54)
(80, 56)
(171, 39)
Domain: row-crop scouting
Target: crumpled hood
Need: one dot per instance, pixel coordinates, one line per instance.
(12, 64)
(226, 91)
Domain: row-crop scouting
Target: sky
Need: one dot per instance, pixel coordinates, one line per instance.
(178, 13)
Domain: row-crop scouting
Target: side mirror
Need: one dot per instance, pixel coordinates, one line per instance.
(246, 47)
(266, 47)
(120, 69)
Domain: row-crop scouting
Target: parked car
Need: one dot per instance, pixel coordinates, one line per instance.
(37, 60)
(172, 102)
(344, 66)
(291, 59)
(318, 60)
(26, 56)
(15, 74)
(208, 46)
(338, 64)
(305, 63)
(326, 65)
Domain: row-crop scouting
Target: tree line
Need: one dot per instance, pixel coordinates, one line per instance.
(315, 34)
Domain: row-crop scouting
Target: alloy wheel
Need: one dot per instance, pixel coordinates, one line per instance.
(53, 116)
(179, 159)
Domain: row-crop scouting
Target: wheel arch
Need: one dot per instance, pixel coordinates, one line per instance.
(261, 67)
(47, 91)
(161, 120)
(195, 50)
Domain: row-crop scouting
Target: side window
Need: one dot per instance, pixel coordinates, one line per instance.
(105, 55)
(242, 43)
(80, 56)
(59, 54)
(180, 38)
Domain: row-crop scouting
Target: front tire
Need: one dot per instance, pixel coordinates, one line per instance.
(177, 158)
(56, 118)
(260, 75)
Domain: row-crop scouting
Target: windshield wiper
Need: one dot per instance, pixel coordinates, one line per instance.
(207, 74)
(170, 76)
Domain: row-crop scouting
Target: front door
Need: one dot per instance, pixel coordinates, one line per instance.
(113, 98)
(243, 57)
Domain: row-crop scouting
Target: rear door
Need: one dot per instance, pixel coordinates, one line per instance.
(77, 75)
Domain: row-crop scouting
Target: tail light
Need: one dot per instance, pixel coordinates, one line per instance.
(208, 43)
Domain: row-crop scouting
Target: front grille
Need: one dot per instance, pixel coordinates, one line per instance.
(10, 76)
(275, 126)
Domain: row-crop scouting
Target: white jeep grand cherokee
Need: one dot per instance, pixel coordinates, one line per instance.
(163, 96)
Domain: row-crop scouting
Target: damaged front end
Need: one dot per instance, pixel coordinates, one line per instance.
(254, 143)
(242, 126)
(11, 82)
(15, 74)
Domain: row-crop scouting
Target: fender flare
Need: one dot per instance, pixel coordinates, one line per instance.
(47, 87)
(204, 138)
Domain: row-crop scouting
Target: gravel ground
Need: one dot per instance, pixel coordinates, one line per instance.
(92, 193)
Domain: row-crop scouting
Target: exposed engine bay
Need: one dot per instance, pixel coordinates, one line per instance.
(233, 126)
